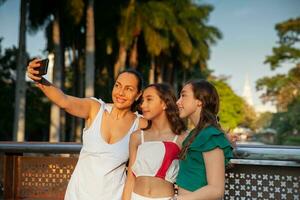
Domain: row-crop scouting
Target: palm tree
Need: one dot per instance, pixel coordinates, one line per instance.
(20, 97)
(55, 126)
(151, 21)
(90, 50)
(125, 35)
(167, 27)
(39, 15)
(193, 18)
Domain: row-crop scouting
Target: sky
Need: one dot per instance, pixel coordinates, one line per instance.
(248, 28)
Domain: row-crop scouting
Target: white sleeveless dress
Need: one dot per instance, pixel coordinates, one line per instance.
(100, 170)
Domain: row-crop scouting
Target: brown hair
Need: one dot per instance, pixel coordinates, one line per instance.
(208, 95)
(167, 95)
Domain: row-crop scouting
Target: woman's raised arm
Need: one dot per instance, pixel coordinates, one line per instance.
(79, 107)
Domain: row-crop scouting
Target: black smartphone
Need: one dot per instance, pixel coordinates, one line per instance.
(43, 66)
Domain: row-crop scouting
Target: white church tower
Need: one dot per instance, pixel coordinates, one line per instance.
(247, 92)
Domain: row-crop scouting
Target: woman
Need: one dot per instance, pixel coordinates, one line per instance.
(154, 151)
(206, 151)
(100, 170)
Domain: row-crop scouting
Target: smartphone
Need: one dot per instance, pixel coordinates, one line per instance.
(43, 66)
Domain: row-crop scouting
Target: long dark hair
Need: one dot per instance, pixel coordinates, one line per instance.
(140, 86)
(167, 95)
(208, 95)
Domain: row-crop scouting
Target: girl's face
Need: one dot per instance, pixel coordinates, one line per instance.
(125, 90)
(152, 105)
(187, 103)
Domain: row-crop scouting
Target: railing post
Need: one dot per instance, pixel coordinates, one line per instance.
(10, 167)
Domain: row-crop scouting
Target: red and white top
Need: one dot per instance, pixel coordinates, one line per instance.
(157, 159)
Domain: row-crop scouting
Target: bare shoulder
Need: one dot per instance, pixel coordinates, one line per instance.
(135, 137)
(143, 123)
(94, 106)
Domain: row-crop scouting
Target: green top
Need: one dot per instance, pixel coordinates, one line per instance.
(192, 173)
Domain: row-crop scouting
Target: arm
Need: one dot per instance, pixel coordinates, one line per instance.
(215, 173)
(79, 107)
(129, 184)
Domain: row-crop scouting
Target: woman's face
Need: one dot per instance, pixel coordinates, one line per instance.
(187, 103)
(125, 90)
(152, 105)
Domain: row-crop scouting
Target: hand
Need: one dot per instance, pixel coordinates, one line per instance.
(32, 70)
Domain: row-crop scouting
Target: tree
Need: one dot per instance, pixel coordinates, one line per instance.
(20, 91)
(90, 50)
(263, 120)
(193, 18)
(8, 63)
(282, 89)
(52, 15)
(231, 105)
(174, 33)
(150, 20)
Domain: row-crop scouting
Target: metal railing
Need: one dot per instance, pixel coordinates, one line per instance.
(41, 170)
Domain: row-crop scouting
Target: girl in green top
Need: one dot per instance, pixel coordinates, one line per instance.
(206, 150)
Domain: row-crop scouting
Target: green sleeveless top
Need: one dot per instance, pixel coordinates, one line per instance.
(192, 173)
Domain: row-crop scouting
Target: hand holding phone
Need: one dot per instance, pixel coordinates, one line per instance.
(43, 66)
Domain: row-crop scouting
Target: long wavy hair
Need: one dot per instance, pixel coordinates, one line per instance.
(167, 95)
(208, 95)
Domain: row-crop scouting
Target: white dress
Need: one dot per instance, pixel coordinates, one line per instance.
(100, 170)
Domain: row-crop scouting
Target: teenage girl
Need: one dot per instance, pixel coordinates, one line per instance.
(154, 151)
(206, 150)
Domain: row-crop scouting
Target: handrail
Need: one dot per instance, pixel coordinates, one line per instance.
(40, 147)
(287, 155)
(268, 152)
(272, 155)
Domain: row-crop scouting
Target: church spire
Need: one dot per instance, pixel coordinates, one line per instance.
(247, 93)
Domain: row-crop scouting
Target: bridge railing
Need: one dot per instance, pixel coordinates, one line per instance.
(41, 170)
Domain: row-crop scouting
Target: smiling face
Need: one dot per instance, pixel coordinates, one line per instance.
(188, 105)
(125, 90)
(152, 105)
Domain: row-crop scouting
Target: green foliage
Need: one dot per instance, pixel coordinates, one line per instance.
(287, 124)
(37, 107)
(282, 89)
(288, 50)
(173, 33)
(7, 84)
(231, 106)
(37, 115)
(193, 18)
(292, 140)
(183, 39)
(263, 120)
(74, 10)
(281, 54)
(155, 42)
(294, 115)
(249, 120)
